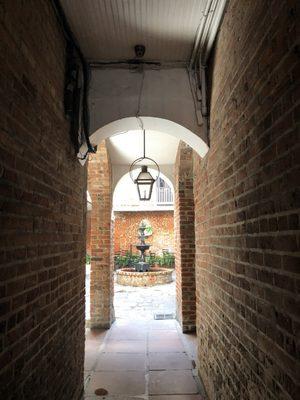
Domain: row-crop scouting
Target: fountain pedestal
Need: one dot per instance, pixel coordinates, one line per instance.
(142, 274)
(142, 265)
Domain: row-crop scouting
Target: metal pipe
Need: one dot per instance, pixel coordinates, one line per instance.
(144, 137)
(199, 33)
(206, 35)
(216, 18)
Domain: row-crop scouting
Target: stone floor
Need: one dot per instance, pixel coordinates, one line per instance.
(138, 302)
(140, 357)
(143, 302)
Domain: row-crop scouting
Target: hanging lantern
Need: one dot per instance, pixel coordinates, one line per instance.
(144, 183)
(144, 180)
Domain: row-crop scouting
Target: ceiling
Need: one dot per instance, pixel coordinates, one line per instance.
(126, 147)
(109, 29)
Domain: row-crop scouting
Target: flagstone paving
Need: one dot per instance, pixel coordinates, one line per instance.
(139, 302)
(140, 357)
(143, 302)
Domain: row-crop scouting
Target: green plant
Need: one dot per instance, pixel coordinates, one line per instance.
(129, 260)
(126, 260)
(87, 259)
(169, 260)
(159, 260)
(166, 260)
(149, 230)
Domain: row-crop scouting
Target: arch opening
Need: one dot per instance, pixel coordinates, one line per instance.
(157, 289)
(160, 125)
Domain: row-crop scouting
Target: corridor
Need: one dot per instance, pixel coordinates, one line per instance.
(147, 359)
(140, 355)
(201, 96)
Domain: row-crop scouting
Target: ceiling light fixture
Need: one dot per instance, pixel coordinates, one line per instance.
(144, 179)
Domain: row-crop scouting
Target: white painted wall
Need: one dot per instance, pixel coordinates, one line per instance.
(125, 196)
(128, 146)
(165, 93)
(118, 171)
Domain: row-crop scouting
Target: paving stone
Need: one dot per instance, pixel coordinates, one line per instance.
(90, 357)
(128, 333)
(121, 362)
(125, 346)
(177, 397)
(172, 382)
(118, 359)
(114, 397)
(163, 334)
(121, 382)
(169, 361)
(143, 302)
(165, 346)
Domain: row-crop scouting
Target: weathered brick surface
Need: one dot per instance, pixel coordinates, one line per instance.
(126, 226)
(42, 243)
(184, 223)
(247, 208)
(101, 286)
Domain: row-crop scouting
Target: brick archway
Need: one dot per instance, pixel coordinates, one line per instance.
(101, 230)
(101, 233)
(101, 286)
(184, 226)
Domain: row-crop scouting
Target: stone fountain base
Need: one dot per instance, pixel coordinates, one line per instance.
(156, 276)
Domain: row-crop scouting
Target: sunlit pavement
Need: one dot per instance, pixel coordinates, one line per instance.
(141, 303)
(140, 357)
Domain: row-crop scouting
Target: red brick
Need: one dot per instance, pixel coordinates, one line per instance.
(245, 208)
(42, 204)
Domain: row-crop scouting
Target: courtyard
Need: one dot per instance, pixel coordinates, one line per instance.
(144, 303)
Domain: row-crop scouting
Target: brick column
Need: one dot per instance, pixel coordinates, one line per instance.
(185, 239)
(88, 231)
(101, 287)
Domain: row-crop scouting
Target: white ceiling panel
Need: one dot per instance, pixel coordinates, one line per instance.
(126, 147)
(108, 30)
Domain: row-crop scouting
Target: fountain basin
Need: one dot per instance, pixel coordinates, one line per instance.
(143, 247)
(156, 276)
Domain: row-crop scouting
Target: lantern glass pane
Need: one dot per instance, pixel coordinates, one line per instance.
(144, 176)
(145, 190)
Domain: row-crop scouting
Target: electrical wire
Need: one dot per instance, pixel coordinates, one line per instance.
(140, 94)
(85, 71)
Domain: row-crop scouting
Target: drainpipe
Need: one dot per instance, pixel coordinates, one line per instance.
(200, 33)
(206, 35)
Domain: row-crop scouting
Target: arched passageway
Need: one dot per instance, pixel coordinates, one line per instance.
(100, 169)
(140, 298)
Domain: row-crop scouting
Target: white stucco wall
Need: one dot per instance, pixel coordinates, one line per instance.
(117, 93)
(125, 196)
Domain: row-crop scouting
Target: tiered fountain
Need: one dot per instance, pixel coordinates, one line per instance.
(142, 274)
(142, 266)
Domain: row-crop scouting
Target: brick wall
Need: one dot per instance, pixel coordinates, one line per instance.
(88, 231)
(101, 286)
(126, 230)
(43, 203)
(246, 208)
(184, 223)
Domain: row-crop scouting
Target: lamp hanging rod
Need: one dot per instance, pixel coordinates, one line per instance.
(144, 138)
